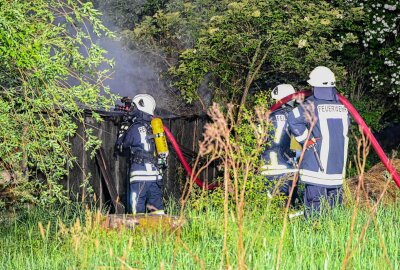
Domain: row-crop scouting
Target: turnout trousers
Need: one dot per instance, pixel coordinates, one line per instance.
(316, 196)
(144, 193)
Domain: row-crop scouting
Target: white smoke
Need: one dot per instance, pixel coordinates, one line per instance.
(134, 73)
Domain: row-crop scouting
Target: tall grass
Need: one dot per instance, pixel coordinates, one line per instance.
(39, 241)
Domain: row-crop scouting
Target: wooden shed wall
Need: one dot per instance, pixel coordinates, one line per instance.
(186, 131)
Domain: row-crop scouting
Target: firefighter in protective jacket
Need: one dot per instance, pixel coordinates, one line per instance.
(278, 157)
(325, 122)
(145, 179)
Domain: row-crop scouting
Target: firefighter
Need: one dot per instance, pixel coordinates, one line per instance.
(145, 179)
(321, 125)
(278, 157)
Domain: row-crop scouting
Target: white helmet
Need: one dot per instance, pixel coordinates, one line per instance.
(282, 90)
(322, 77)
(145, 103)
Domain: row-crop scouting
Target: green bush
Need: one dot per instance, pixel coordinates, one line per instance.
(239, 46)
(50, 73)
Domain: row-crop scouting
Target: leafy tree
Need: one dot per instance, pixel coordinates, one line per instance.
(49, 73)
(212, 43)
(244, 46)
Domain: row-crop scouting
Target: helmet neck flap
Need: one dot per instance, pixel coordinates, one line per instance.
(325, 93)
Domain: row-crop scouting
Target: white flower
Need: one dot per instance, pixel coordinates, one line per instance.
(256, 14)
(389, 7)
(389, 63)
(302, 43)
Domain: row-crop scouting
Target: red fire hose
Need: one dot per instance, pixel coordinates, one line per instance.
(357, 117)
(378, 149)
(185, 164)
(300, 94)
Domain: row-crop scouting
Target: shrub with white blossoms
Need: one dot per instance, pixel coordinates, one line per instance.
(381, 40)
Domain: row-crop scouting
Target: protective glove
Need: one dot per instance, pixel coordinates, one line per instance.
(311, 142)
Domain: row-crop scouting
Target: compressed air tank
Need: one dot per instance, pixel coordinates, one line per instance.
(159, 136)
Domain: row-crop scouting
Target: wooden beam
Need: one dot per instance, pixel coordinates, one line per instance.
(105, 173)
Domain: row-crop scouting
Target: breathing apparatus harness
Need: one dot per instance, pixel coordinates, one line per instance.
(158, 153)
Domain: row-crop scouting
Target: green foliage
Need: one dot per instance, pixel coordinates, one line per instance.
(242, 47)
(127, 13)
(238, 147)
(239, 45)
(50, 72)
(175, 27)
(372, 60)
(381, 42)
